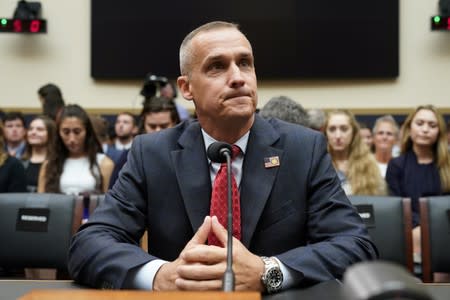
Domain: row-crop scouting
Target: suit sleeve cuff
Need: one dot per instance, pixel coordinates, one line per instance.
(290, 277)
(142, 277)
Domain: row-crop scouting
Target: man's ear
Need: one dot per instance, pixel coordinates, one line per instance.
(185, 87)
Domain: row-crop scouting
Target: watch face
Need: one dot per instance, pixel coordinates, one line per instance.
(274, 278)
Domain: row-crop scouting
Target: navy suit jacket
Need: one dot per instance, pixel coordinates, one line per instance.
(296, 211)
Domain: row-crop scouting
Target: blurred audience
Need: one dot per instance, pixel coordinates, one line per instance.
(366, 135)
(125, 128)
(157, 114)
(77, 164)
(41, 137)
(169, 91)
(286, 109)
(15, 134)
(355, 165)
(12, 173)
(52, 100)
(101, 128)
(448, 135)
(385, 136)
(316, 119)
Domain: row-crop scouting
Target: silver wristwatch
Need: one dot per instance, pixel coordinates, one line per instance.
(272, 277)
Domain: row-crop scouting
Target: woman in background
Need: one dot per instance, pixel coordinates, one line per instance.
(12, 173)
(423, 168)
(78, 164)
(355, 165)
(41, 136)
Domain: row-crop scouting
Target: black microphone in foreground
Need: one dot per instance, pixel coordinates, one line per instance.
(221, 152)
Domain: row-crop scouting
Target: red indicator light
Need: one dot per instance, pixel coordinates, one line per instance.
(35, 25)
(17, 26)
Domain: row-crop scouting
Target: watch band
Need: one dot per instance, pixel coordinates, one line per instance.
(272, 277)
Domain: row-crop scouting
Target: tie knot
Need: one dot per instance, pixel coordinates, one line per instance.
(235, 151)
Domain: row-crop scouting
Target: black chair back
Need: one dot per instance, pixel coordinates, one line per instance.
(35, 229)
(389, 222)
(435, 235)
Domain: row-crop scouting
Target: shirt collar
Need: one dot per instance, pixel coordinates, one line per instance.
(241, 143)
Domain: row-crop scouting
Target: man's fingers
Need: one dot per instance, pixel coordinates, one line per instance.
(201, 235)
(219, 231)
(201, 272)
(192, 285)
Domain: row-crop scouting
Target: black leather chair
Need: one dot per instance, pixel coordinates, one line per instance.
(389, 222)
(435, 235)
(35, 230)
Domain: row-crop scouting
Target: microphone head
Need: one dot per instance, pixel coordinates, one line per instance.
(216, 151)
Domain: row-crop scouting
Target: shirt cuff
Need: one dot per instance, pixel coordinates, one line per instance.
(142, 278)
(291, 277)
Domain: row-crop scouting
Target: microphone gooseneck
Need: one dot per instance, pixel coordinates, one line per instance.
(221, 152)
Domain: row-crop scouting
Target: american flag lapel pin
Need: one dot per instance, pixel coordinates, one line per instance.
(270, 162)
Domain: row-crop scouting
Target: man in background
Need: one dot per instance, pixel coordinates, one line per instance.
(15, 134)
(125, 129)
(158, 113)
(169, 91)
(286, 109)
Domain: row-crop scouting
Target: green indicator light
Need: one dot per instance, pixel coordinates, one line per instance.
(4, 22)
(437, 19)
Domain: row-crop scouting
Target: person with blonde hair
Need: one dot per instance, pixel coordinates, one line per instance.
(355, 165)
(423, 168)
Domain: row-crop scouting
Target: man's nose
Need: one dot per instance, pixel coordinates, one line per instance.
(236, 78)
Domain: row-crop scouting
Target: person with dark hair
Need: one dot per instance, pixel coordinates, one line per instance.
(125, 129)
(15, 134)
(52, 100)
(158, 113)
(169, 91)
(12, 173)
(286, 109)
(49, 89)
(293, 225)
(101, 128)
(77, 163)
(366, 135)
(41, 137)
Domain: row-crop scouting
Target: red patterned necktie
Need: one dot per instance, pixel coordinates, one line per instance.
(219, 201)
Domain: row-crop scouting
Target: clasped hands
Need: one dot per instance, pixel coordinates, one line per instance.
(201, 267)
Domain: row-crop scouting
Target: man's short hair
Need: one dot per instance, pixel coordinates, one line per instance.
(185, 48)
(126, 113)
(14, 115)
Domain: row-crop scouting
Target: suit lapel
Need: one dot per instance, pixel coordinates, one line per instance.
(257, 181)
(191, 168)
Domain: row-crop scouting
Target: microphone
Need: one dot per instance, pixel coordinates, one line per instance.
(221, 152)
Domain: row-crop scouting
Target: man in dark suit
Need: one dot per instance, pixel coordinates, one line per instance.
(297, 226)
